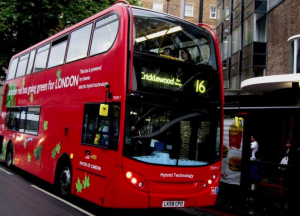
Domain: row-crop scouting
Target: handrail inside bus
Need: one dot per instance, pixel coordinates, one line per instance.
(131, 45)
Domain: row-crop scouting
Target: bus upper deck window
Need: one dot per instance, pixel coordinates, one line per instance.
(12, 69)
(79, 43)
(41, 58)
(22, 65)
(30, 63)
(57, 53)
(105, 34)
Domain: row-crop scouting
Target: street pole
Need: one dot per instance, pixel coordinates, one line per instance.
(168, 1)
(182, 9)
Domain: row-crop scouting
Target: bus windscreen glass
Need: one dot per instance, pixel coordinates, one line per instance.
(170, 54)
(171, 136)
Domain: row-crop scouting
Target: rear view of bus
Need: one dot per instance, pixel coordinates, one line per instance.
(174, 115)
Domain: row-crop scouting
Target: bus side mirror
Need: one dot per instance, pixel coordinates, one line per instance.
(103, 111)
(238, 122)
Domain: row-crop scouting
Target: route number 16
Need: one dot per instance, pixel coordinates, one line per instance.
(200, 87)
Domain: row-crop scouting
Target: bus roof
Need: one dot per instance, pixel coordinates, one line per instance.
(69, 29)
(107, 10)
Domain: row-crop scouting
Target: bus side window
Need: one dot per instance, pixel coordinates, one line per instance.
(102, 131)
(13, 119)
(12, 69)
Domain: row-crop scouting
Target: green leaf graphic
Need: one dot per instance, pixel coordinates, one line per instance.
(2, 156)
(78, 186)
(57, 149)
(31, 97)
(29, 157)
(10, 98)
(37, 152)
(45, 125)
(23, 82)
(24, 143)
(58, 73)
(53, 153)
(86, 182)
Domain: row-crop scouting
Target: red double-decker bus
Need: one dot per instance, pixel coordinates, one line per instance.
(124, 109)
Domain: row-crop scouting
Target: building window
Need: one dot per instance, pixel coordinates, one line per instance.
(158, 6)
(274, 3)
(189, 9)
(213, 12)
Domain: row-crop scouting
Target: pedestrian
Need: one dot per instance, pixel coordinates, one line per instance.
(254, 147)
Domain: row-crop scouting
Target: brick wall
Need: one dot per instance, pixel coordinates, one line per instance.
(174, 9)
(283, 22)
(206, 12)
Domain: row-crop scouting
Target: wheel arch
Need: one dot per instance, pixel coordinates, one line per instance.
(10, 144)
(63, 159)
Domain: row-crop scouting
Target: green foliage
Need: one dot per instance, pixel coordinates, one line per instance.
(29, 157)
(24, 23)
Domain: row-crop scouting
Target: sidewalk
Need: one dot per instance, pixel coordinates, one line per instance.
(222, 208)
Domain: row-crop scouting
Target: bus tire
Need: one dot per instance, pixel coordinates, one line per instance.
(9, 156)
(64, 179)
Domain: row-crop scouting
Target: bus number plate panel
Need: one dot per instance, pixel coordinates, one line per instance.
(175, 204)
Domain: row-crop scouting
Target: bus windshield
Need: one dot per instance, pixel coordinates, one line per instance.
(170, 136)
(178, 40)
(170, 55)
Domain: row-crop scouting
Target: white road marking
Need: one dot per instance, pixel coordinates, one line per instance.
(64, 201)
(6, 171)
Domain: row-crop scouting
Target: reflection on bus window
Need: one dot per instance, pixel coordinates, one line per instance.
(30, 63)
(12, 69)
(171, 137)
(12, 119)
(101, 130)
(57, 53)
(154, 35)
(23, 119)
(22, 65)
(79, 43)
(105, 34)
(41, 58)
(32, 120)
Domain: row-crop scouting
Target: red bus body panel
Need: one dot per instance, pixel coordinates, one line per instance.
(99, 179)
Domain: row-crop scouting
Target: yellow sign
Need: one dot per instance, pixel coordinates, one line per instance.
(200, 87)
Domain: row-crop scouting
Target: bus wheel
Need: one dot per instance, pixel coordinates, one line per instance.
(64, 182)
(9, 157)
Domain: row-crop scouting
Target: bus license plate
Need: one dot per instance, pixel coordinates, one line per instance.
(174, 204)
